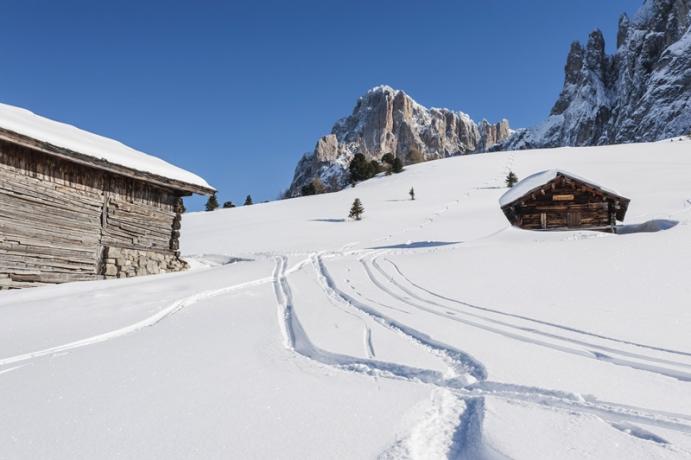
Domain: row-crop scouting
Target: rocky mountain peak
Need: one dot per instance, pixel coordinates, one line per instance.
(386, 120)
(640, 93)
(623, 30)
(595, 58)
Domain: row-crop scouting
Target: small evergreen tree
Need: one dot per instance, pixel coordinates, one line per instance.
(376, 167)
(360, 169)
(307, 190)
(228, 204)
(248, 200)
(313, 188)
(511, 179)
(212, 203)
(397, 166)
(387, 158)
(412, 193)
(356, 210)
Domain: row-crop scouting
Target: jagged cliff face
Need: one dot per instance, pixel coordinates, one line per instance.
(641, 93)
(389, 121)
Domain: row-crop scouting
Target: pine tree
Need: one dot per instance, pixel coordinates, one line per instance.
(228, 204)
(248, 200)
(511, 179)
(212, 203)
(356, 210)
(397, 166)
(360, 169)
(307, 190)
(412, 193)
(313, 188)
(376, 167)
(388, 159)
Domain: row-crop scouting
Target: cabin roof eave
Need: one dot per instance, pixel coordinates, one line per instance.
(75, 157)
(625, 201)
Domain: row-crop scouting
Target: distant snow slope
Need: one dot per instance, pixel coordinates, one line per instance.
(430, 329)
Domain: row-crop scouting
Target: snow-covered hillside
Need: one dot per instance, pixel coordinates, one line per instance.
(430, 329)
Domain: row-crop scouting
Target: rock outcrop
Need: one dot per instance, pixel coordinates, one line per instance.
(640, 93)
(386, 120)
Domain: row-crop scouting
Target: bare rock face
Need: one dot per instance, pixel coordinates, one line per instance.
(386, 120)
(641, 93)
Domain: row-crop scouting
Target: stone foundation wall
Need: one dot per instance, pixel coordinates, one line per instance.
(125, 263)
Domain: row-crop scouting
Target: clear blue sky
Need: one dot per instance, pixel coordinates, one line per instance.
(238, 91)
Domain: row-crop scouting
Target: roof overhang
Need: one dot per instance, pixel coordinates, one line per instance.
(79, 158)
(623, 202)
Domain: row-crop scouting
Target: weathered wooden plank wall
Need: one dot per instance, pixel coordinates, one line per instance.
(563, 203)
(56, 218)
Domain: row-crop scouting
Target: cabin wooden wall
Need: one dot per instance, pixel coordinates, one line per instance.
(563, 203)
(58, 219)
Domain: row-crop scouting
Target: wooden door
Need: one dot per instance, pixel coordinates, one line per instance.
(573, 219)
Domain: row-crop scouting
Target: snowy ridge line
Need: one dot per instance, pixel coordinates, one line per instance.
(138, 326)
(679, 375)
(527, 329)
(534, 320)
(297, 340)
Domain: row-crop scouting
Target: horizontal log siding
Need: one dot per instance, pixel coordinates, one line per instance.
(53, 225)
(594, 209)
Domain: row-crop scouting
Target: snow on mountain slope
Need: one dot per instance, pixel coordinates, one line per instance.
(386, 120)
(430, 329)
(642, 92)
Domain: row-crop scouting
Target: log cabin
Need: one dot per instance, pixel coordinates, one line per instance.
(77, 206)
(558, 200)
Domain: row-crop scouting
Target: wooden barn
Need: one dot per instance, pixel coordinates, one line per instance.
(77, 206)
(557, 200)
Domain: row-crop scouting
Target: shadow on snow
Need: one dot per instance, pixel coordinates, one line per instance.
(417, 245)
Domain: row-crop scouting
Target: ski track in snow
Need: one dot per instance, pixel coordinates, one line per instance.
(496, 327)
(533, 320)
(452, 424)
(468, 381)
(296, 339)
(152, 320)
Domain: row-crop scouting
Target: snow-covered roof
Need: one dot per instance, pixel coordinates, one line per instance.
(539, 179)
(26, 123)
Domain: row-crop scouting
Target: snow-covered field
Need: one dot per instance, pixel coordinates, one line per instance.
(430, 329)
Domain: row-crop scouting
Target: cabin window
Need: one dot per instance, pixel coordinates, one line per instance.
(543, 220)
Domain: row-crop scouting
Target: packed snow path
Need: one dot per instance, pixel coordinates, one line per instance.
(428, 330)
